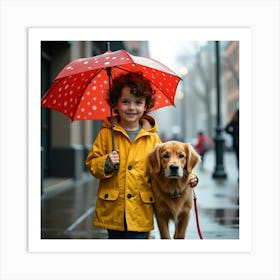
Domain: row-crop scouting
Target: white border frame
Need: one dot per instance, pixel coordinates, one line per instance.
(36, 35)
(262, 262)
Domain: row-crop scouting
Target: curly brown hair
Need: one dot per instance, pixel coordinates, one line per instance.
(139, 87)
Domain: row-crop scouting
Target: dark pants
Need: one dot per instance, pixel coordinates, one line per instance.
(117, 234)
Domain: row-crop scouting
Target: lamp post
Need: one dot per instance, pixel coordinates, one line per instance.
(219, 172)
(184, 72)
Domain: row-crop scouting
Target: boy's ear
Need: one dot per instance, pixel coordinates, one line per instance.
(154, 159)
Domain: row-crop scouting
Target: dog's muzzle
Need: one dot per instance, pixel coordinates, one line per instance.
(174, 171)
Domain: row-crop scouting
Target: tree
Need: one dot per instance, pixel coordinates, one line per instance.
(201, 79)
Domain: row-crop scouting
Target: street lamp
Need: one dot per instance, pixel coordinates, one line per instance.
(219, 172)
(184, 72)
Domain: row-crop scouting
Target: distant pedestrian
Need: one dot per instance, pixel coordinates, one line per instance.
(203, 145)
(164, 137)
(232, 128)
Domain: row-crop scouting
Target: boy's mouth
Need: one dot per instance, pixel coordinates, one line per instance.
(131, 114)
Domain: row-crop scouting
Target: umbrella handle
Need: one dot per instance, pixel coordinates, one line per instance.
(109, 74)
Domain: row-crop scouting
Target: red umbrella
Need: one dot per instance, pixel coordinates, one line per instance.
(80, 89)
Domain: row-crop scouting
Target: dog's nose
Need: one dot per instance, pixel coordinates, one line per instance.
(173, 167)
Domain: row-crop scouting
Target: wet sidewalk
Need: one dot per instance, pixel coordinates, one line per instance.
(68, 206)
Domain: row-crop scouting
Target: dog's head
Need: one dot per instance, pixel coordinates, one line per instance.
(174, 159)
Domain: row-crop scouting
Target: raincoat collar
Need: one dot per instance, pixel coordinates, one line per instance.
(147, 122)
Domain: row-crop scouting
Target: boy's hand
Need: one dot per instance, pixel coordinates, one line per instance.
(114, 158)
(193, 181)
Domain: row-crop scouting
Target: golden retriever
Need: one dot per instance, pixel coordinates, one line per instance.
(171, 165)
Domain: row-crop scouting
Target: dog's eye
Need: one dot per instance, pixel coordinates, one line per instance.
(181, 156)
(166, 155)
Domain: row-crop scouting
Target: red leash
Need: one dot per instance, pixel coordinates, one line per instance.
(196, 215)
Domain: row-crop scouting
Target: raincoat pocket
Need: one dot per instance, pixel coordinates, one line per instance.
(147, 197)
(109, 195)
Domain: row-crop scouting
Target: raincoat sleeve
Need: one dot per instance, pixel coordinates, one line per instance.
(96, 158)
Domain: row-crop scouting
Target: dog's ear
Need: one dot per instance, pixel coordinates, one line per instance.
(193, 157)
(154, 159)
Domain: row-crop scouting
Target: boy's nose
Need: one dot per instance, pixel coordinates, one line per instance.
(131, 105)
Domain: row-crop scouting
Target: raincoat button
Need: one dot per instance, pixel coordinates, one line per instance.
(129, 195)
(129, 167)
(151, 199)
(106, 195)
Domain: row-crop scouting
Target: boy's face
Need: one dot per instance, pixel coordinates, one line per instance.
(130, 108)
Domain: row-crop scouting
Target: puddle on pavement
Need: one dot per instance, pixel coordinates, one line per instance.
(59, 212)
(226, 217)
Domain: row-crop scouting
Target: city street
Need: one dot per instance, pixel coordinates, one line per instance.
(68, 206)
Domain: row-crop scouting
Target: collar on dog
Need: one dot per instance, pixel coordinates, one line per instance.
(176, 194)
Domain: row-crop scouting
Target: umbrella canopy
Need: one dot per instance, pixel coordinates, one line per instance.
(80, 89)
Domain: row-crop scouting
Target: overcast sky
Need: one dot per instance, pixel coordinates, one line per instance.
(166, 52)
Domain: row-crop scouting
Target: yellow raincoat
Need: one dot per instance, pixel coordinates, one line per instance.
(127, 191)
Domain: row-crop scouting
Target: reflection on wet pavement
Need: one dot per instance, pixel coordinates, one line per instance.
(63, 215)
(229, 217)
